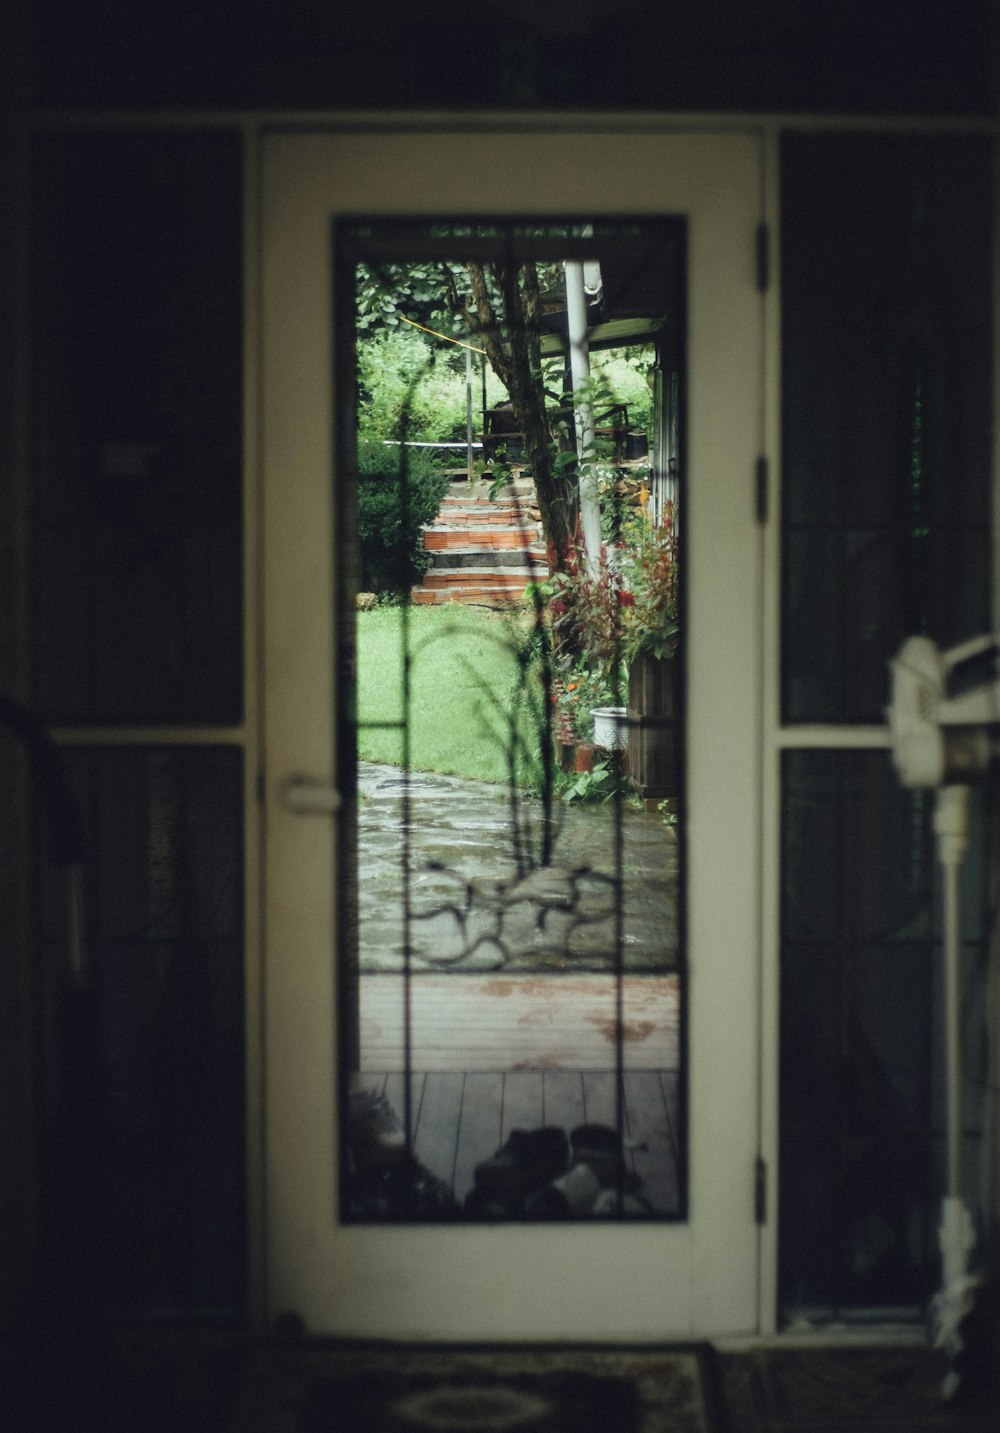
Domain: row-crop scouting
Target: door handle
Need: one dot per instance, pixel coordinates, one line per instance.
(306, 797)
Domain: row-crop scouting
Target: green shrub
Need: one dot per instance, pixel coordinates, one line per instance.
(400, 371)
(623, 372)
(391, 551)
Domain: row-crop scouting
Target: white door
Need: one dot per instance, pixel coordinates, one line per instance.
(649, 1280)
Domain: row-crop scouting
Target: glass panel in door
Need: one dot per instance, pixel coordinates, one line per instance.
(511, 993)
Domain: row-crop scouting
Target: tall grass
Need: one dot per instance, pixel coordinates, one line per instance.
(470, 704)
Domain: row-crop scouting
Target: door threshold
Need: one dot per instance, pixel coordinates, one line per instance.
(834, 1335)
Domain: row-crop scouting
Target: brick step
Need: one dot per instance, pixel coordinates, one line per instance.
(444, 577)
(484, 550)
(510, 559)
(484, 518)
(479, 491)
(472, 539)
(463, 496)
(481, 596)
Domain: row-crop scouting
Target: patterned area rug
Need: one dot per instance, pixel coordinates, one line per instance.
(382, 1388)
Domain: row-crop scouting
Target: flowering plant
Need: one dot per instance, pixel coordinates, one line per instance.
(586, 606)
(575, 694)
(626, 603)
(651, 621)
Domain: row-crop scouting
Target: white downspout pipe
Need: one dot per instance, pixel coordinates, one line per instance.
(468, 413)
(579, 359)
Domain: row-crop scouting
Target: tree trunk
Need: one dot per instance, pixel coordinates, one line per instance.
(512, 346)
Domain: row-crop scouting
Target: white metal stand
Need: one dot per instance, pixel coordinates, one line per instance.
(957, 1237)
(941, 740)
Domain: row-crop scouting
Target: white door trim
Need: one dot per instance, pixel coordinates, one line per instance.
(622, 1282)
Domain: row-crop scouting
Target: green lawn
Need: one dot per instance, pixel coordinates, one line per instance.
(463, 691)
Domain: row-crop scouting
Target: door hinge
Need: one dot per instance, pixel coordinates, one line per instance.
(761, 488)
(760, 1191)
(763, 257)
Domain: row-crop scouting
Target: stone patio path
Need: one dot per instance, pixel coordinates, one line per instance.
(480, 899)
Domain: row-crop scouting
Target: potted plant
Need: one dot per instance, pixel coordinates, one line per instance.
(650, 579)
(650, 636)
(585, 608)
(616, 625)
(577, 693)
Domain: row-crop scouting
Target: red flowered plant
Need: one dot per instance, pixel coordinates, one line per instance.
(627, 603)
(650, 571)
(586, 606)
(607, 614)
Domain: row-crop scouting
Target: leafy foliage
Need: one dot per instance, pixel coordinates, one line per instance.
(599, 784)
(395, 500)
(651, 617)
(624, 376)
(399, 367)
(629, 604)
(387, 295)
(499, 305)
(579, 689)
(401, 371)
(586, 607)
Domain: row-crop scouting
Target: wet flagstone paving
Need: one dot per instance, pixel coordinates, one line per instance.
(482, 897)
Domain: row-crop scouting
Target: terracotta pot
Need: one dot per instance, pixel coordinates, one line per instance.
(584, 760)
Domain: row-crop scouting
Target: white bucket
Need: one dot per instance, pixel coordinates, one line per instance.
(610, 728)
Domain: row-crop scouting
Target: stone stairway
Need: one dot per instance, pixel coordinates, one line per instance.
(483, 550)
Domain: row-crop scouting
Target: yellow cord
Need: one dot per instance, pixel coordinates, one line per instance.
(447, 338)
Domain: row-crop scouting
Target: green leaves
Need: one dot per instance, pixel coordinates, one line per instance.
(385, 295)
(651, 569)
(502, 478)
(391, 549)
(396, 375)
(599, 784)
(580, 689)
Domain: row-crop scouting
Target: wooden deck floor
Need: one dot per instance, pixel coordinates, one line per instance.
(461, 1119)
(520, 1022)
(496, 1053)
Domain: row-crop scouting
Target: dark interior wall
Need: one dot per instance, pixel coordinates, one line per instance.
(873, 56)
(17, 1105)
(876, 56)
(133, 428)
(135, 275)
